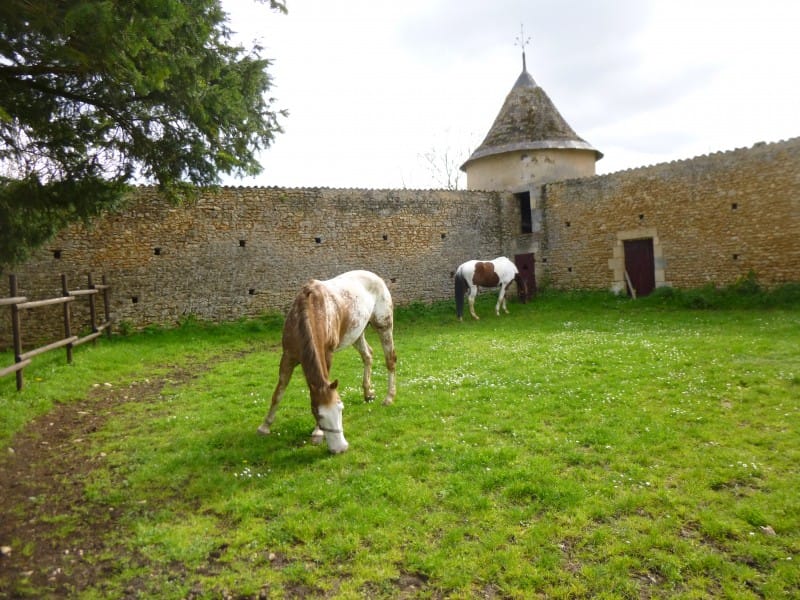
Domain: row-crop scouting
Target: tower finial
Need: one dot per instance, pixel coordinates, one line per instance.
(522, 41)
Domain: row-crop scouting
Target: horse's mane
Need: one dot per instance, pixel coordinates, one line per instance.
(310, 356)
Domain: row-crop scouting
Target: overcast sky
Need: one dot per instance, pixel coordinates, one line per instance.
(372, 86)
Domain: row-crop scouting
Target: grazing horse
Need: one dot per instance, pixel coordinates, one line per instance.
(327, 316)
(473, 274)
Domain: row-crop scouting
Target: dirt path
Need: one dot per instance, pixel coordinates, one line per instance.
(42, 478)
(54, 543)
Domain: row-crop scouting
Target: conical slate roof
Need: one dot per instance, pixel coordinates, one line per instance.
(528, 121)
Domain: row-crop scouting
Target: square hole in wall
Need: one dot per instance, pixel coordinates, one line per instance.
(318, 240)
(157, 251)
(56, 254)
(242, 243)
(734, 206)
(134, 299)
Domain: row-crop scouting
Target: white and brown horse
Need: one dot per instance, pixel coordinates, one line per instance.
(473, 274)
(327, 316)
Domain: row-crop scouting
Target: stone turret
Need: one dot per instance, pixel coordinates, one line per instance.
(528, 145)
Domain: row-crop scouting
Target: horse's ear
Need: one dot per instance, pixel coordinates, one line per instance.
(334, 384)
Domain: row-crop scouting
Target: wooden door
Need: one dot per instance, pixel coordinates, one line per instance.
(640, 266)
(525, 265)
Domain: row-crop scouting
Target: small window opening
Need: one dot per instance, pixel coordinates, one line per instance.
(252, 291)
(735, 257)
(393, 279)
(567, 223)
(569, 269)
(135, 299)
(318, 240)
(157, 251)
(56, 254)
(641, 217)
(525, 214)
(385, 237)
(444, 235)
(242, 243)
(734, 206)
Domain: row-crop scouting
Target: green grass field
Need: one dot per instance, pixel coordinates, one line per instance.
(583, 446)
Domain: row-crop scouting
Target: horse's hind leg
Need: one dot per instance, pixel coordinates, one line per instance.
(284, 375)
(387, 343)
(366, 357)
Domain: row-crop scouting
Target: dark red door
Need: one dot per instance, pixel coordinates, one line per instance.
(525, 264)
(640, 266)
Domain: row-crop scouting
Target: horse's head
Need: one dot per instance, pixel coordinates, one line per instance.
(328, 411)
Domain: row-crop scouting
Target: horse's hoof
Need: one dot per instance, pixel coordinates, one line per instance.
(317, 439)
(388, 401)
(263, 430)
(340, 450)
(369, 398)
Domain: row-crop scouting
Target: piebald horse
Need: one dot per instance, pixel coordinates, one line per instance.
(327, 316)
(473, 274)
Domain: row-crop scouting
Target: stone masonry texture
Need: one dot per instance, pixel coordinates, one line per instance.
(715, 218)
(238, 252)
(243, 251)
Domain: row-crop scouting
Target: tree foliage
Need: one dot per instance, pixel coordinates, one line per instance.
(96, 94)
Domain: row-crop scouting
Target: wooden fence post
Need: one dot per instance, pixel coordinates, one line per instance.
(106, 306)
(70, 341)
(67, 324)
(15, 329)
(92, 309)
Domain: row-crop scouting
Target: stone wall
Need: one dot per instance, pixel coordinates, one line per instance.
(712, 219)
(246, 251)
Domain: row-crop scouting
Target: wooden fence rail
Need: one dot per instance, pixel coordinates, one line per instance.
(21, 303)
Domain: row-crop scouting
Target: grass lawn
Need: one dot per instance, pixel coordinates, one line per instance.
(582, 446)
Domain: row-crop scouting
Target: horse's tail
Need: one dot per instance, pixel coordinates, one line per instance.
(461, 288)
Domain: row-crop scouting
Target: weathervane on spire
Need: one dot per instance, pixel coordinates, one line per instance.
(522, 41)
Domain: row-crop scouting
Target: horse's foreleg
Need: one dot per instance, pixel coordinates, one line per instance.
(505, 300)
(387, 343)
(501, 301)
(284, 375)
(472, 293)
(366, 357)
